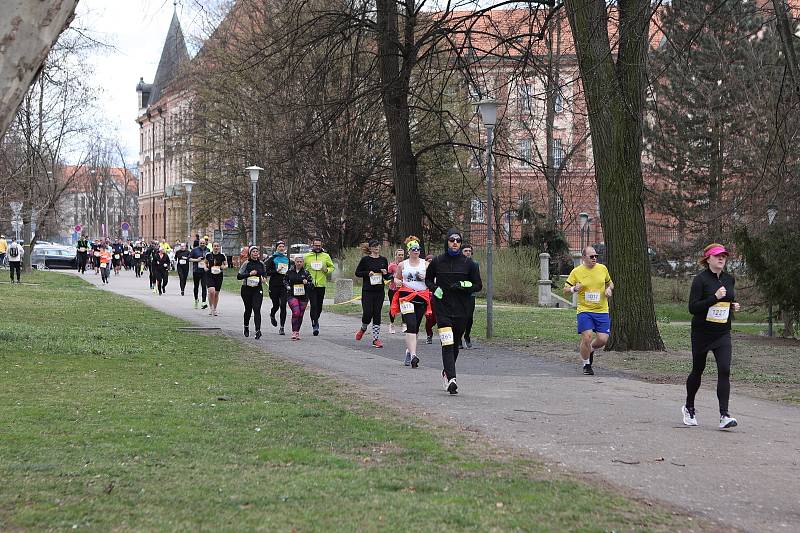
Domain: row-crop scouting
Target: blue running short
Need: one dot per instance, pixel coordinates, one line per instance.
(597, 322)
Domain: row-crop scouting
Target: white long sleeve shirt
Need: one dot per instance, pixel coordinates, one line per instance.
(19, 248)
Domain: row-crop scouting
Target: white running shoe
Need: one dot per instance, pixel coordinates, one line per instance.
(688, 416)
(727, 422)
(452, 386)
(391, 329)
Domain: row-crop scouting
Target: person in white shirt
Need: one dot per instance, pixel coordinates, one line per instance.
(15, 254)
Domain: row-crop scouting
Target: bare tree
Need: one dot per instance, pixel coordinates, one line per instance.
(28, 30)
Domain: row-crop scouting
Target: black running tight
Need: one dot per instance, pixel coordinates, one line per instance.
(371, 306)
(252, 297)
(721, 346)
(278, 297)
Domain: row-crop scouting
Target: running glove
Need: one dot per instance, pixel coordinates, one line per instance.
(438, 292)
(462, 285)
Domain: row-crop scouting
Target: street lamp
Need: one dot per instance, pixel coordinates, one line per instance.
(187, 185)
(772, 212)
(254, 171)
(487, 109)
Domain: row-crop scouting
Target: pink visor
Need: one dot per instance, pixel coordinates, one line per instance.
(717, 250)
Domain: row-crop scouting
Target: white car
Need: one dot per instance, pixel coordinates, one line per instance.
(298, 249)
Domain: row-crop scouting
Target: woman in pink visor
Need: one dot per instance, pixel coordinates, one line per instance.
(711, 300)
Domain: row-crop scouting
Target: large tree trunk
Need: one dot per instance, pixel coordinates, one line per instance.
(395, 72)
(615, 100)
(28, 29)
(784, 26)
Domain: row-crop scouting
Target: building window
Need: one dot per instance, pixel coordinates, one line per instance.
(557, 153)
(524, 97)
(524, 153)
(477, 211)
(559, 103)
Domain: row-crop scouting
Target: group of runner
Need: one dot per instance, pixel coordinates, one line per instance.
(440, 289)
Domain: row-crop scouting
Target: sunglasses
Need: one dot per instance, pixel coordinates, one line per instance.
(414, 250)
(454, 239)
(593, 256)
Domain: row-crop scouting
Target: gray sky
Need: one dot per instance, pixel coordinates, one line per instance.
(137, 29)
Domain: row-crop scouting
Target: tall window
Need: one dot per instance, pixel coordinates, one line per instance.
(524, 153)
(557, 153)
(559, 103)
(524, 96)
(478, 212)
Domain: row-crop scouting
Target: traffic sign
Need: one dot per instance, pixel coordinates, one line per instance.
(125, 226)
(229, 224)
(78, 228)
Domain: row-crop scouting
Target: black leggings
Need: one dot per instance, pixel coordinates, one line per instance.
(316, 298)
(162, 278)
(183, 274)
(391, 295)
(252, 298)
(414, 320)
(278, 297)
(81, 259)
(450, 352)
(371, 305)
(199, 277)
(15, 266)
(721, 346)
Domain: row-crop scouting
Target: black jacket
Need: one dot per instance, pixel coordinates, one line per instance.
(702, 296)
(275, 279)
(372, 264)
(293, 277)
(161, 264)
(447, 272)
(249, 266)
(182, 254)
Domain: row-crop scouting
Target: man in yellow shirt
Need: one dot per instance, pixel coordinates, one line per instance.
(592, 283)
(3, 250)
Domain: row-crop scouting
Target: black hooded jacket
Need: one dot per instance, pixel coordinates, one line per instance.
(447, 272)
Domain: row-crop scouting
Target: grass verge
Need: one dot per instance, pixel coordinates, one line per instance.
(116, 421)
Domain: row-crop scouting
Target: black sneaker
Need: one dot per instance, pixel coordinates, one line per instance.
(274, 322)
(258, 334)
(468, 343)
(587, 370)
(316, 330)
(414, 361)
(281, 332)
(452, 386)
(429, 339)
(246, 331)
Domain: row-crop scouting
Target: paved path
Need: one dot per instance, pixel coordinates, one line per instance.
(609, 426)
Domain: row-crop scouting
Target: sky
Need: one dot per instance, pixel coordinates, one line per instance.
(135, 31)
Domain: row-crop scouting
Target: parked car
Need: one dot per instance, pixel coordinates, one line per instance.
(298, 249)
(54, 257)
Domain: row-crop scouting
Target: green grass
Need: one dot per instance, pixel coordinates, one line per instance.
(113, 420)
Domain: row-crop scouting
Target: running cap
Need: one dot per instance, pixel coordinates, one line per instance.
(250, 250)
(279, 242)
(716, 249)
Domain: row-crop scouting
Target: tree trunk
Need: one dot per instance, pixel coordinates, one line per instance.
(395, 73)
(27, 32)
(784, 27)
(615, 100)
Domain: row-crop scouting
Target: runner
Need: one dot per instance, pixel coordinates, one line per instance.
(182, 260)
(592, 283)
(711, 299)
(105, 263)
(116, 259)
(3, 250)
(127, 261)
(412, 299)
(96, 256)
(467, 251)
(277, 266)
(216, 261)
(15, 254)
(299, 283)
(373, 269)
(452, 278)
(252, 274)
(197, 258)
(83, 249)
(399, 256)
(430, 318)
(161, 266)
(321, 265)
(150, 258)
(137, 258)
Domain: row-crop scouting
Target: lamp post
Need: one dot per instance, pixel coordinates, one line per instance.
(187, 185)
(772, 212)
(487, 109)
(583, 220)
(254, 171)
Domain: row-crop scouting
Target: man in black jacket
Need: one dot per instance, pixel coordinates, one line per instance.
(452, 279)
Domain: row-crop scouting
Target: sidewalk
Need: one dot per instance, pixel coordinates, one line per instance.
(608, 426)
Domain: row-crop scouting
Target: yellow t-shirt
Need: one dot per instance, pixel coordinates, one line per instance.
(3, 246)
(592, 296)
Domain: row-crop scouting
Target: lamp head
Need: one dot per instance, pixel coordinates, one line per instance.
(583, 218)
(487, 109)
(772, 212)
(254, 171)
(188, 184)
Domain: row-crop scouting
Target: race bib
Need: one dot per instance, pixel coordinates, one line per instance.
(446, 336)
(137, 256)
(182, 261)
(719, 312)
(375, 279)
(97, 254)
(201, 265)
(282, 268)
(253, 281)
(216, 270)
(126, 252)
(316, 265)
(406, 308)
(591, 297)
(103, 265)
(299, 290)
(81, 249)
(116, 256)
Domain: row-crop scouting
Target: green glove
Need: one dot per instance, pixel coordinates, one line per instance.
(438, 292)
(466, 284)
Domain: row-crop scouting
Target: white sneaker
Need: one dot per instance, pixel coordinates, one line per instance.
(391, 329)
(452, 386)
(688, 417)
(727, 422)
